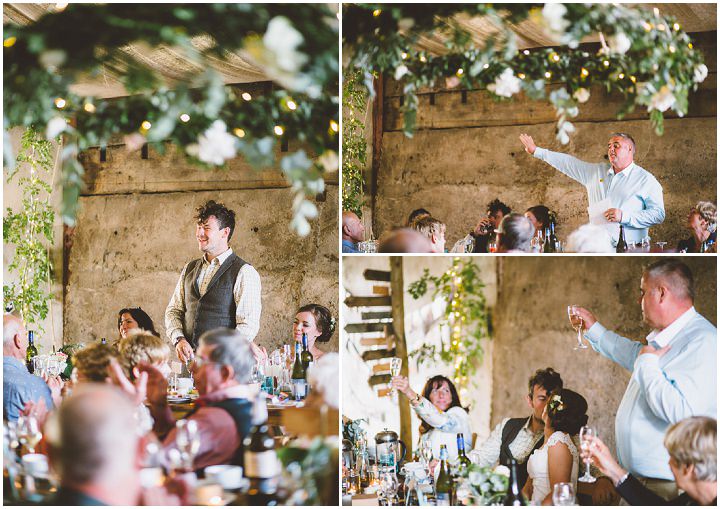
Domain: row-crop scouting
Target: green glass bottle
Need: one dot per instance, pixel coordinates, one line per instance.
(306, 357)
(444, 483)
(30, 352)
(298, 378)
(463, 461)
(622, 246)
(514, 494)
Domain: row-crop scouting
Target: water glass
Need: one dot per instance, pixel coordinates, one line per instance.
(563, 494)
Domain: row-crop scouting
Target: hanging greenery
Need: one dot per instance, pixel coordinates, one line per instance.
(294, 44)
(645, 57)
(466, 316)
(30, 230)
(354, 146)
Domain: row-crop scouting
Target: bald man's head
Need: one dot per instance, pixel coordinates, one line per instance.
(405, 240)
(14, 337)
(352, 228)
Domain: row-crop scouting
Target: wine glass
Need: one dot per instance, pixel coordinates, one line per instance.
(586, 435)
(187, 440)
(426, 453)
(395, 365)
(29, 432)
(661, 245)
(645, 244)
(563, 494)
(492, 246)
(53, 367)
(389, 484)
(577, 323)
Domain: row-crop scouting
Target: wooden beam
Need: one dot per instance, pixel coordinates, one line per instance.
(383, 392)
(356, 328)
(376, 275)
(377, 135)
(376, 315)
(380, 380)
(354, 302)
(381, 341)
(397, 289)
(376, 355)
(381, 290)
(383, 367)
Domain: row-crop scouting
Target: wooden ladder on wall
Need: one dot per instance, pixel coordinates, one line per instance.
(383, 334)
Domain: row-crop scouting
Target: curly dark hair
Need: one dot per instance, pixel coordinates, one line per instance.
(323, 319)
(141, 317)
(569, 414)
(225, 217)
(496, 205)
(433, 383)
(547, 378)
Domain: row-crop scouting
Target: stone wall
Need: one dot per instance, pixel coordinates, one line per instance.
(466, 152)
(532, 329)
(135, 231)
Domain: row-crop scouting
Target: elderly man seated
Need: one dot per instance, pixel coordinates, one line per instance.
(19, 386)
(692, 445)
(222, 368)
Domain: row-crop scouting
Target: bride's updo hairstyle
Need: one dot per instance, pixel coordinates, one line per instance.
(567, 411)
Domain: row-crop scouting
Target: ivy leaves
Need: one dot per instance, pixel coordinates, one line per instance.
(355, 99)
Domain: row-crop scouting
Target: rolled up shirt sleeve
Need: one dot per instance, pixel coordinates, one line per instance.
(175, 311)
(573, 167)
(653, 212)
(618, 349)
(487, 454)
(248, 302)
(451, 421)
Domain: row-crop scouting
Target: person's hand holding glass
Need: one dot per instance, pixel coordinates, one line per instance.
(563, 494)
(587, 434)
(598, 453)
(29, 433)
(577, 323)
(395, 365)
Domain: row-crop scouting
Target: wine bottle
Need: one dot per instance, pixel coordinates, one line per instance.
(306, 357)
(444, 483)
(622, 246)
(298, 378)
(553, 237)
(262, 466)
(463, 461)
(548, 246)
(30, 352)
(703, 247)
(513, 495)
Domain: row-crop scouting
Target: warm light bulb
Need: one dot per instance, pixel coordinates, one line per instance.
(185, 117)
(291, 105)
(246, 96)
(690, 45)
(633, 79)
(584, 72)
(672, 49)
(486, 66)
(606, 63)
(404, 55)
(661, 27)
(89, 107)
(459, 72)
(60, 102)
(548, 74)
(526, 52)
(146, 125)
(676, 27)
(555, 57)
(621, 76)
(334, 126)
(423, 59)
(376, 12)
(521, 76)
(60, 7)
(239, 132)
(10, 42)
(279, 130)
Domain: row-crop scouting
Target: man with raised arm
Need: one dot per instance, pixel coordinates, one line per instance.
(620, 192)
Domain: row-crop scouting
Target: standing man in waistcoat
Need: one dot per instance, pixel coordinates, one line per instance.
(218, 290)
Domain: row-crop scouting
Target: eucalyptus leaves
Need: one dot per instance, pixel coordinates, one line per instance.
(645, 57)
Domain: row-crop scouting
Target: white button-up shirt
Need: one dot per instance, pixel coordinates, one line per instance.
(633, 190)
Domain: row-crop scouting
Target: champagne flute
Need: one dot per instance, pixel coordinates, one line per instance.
(395, 365)
(577, 323)
(29, 432)
(661, 245)
(389, 484)
(586, 435)
(563, 494)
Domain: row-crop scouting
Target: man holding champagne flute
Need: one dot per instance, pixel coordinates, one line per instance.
(673, 377)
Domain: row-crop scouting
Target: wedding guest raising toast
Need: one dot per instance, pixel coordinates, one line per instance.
(218, 290)
(626, 193)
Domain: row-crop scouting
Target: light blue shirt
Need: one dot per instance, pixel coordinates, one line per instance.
(662, 390)
(19, 387)
(634, 191)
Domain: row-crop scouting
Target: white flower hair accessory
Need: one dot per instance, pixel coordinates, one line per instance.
(556, 404)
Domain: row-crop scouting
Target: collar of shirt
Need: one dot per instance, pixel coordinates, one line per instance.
(528, 427)
(240, 391)
(13, 361)
(625, 171)
(220, 258)
(663, 337)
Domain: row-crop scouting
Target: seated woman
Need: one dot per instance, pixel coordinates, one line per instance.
(558, 458)
(692, 444)
(441, 414)
(134, 318)
(539, 216)
(317, 322)
(702, 222)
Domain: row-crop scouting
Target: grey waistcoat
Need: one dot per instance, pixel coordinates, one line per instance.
(216, 308)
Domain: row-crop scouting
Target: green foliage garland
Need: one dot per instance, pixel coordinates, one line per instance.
(354, 146)
(649, 60)
(300, 53)
(466, 315)
(30, 230)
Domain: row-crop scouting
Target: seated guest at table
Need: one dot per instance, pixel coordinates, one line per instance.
(19, 386)
(558, 459)
(95, 451)
(514, 234)
(434, 230)
(91, 363)
(590, 238)
(484, 232)
(404, 240)
(317, 323)
(134, 318)
(692, 445)
(441, 414)
(415, 215)
(539, 216)
(353, 232)
(702, 222)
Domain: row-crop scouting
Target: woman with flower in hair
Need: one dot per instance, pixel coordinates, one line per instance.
(558, 459)
(318, 323)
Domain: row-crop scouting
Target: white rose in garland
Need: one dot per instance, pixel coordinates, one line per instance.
(662, 99)
(506, 84)
(701, 72)
(56, 126)
(215, 145)
(554, 16)
(400, 71)
(282, 39)
(582, 95)
(619, 43)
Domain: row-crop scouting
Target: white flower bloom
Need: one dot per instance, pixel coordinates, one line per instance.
(475, 477)
(401, 71)
(56, 126)
(619, 43)
(300, 225)
(324, 376)
(554, 15)
(506, 84)
(662, 99)
(215, 145)
(582, 95)
(502, 470)
(701, 72)
(282, 39)
(329, 161)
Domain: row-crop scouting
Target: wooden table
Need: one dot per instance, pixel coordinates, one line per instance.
(275, 412)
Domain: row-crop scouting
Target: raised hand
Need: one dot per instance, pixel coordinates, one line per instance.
(600, 455)
(587, 317)
(528, 143)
